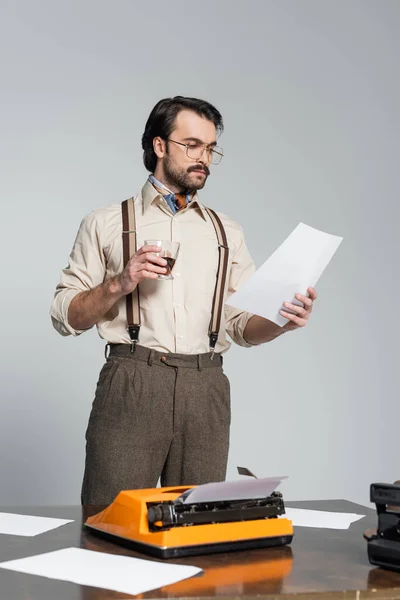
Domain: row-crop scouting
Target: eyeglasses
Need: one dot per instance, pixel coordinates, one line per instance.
(195, 150)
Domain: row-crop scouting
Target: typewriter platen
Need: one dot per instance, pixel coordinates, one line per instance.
(165, 523)
(384, 542)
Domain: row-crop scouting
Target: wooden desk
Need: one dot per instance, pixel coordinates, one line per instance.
(319, 564)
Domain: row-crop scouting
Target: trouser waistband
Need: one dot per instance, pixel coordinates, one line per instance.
(168, 359)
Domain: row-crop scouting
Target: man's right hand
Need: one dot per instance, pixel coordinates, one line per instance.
(144, 264)
(88, 307)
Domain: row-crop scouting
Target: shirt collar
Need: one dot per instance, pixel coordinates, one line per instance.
(150, 194)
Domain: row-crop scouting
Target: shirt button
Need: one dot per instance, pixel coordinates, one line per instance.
(181, 337)
(163, 358)
(177, 305)
(176, 274)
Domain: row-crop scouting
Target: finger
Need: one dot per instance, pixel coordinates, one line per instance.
(313, 293)
(148, 248)
(298, 310)
(295, 319)
(150, 257)
(148, 274)
(305, 300)
(148, 266)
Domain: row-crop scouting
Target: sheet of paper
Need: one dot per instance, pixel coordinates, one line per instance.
(232, 490)
(15, 524)
(302, 517)
(122, 574)
(295, 266)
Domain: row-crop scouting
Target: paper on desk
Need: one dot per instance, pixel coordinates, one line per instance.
(302, 517)
(122, 574)
(27, 525)
(231, 490)
(295, 266)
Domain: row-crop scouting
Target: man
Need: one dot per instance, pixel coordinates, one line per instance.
(162, 405)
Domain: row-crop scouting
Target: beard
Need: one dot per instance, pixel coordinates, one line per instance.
(180, 178)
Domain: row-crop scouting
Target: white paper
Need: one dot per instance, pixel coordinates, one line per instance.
(27, 525)
(231, 490)
(122, 574)
(302, 517)
(295, 266)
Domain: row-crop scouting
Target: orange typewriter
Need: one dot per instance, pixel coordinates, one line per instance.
(172, 522)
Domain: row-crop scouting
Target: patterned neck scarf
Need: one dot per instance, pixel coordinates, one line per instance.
(175, 201)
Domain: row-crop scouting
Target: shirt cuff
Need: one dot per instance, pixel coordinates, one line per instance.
(59, 313)
(237, 330)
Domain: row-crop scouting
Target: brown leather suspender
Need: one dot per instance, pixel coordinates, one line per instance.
(129, 244)
(218, 300)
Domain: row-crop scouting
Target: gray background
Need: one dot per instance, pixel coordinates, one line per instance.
(310, 95)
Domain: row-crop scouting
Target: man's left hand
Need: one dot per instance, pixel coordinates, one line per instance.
(302, 313)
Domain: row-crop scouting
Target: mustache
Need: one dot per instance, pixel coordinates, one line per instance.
(203, 168)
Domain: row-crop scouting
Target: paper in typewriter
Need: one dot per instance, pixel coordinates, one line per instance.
(231, 490)
(295, 266)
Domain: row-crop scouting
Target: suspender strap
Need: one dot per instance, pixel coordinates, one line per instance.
(129, 245)
(218, 300)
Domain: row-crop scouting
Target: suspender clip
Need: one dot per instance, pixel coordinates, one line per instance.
(213, 341)
(133, 331)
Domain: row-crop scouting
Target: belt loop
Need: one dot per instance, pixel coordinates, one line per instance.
(107, 351)
(151, 357)
(199, 366)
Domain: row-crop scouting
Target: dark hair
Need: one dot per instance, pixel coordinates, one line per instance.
(162, 120)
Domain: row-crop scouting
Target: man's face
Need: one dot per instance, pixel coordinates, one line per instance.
(179, 170)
